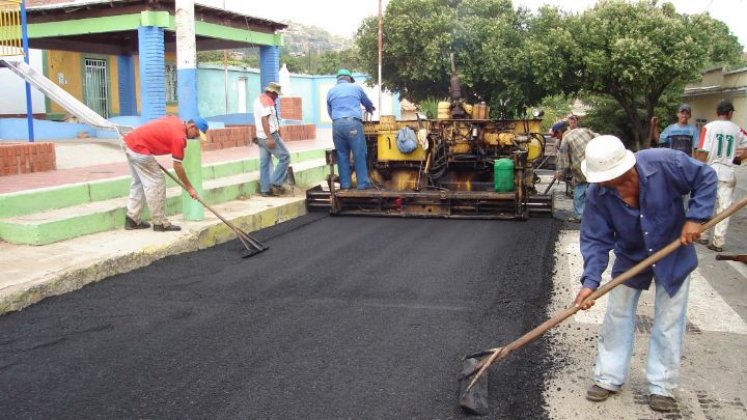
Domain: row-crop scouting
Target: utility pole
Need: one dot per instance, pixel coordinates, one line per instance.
(380, 44)
(186, 67)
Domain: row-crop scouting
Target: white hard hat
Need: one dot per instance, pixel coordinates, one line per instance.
(606, 159)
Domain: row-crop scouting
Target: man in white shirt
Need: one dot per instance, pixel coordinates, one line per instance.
(721, 141)
(270, 144)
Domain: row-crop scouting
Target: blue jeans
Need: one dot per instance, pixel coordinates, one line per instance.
(347, 134)
(268, 175)
(664, 347)
(579, 198)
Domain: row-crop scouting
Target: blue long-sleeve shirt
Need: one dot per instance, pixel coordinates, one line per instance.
(665, 175)
(345, 100)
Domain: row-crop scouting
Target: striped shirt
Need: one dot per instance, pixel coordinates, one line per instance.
(573, 150)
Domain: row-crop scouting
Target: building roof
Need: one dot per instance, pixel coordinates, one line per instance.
(72, 26)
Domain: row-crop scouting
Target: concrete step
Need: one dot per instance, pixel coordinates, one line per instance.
(68, 195)
(50, 226)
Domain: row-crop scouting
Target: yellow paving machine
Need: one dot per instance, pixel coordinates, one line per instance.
(461, 164)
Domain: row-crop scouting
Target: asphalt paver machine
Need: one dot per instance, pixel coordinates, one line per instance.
(461, 164)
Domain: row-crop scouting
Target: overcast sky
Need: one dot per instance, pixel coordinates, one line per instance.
(342, 17)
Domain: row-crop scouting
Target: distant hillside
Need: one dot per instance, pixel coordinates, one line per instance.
(300, 38)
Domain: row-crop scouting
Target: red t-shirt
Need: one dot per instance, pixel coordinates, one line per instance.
(159, 137)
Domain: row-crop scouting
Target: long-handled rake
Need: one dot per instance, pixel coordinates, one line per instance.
(246, 239)
(473, 397)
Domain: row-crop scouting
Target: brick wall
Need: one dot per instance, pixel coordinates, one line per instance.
(231, 136)
(291, 108)
(242, 135)
(24, 158)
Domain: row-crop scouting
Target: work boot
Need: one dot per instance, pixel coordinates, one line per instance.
(661, 403)
(267, 193)
(597, 394)
(131, 225)
(166, 228)
(715, 248)
(279, 190)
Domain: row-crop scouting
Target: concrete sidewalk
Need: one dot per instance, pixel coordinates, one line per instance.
(29, 274)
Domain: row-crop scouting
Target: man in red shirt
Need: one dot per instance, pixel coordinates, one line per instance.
(164, 136)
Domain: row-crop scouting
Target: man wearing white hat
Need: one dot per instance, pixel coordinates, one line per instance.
(634, 208)
(271, 179)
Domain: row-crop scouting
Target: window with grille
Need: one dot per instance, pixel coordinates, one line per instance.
(170, 83)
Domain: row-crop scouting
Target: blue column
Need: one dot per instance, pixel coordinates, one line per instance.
(269, 67)
(126, 76)
(152, 72)
(25, 45)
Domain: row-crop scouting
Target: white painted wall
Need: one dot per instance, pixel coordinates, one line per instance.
(13, 88)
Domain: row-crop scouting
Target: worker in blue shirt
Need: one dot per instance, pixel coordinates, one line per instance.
(344, 107)
(681, 135)
(634, 207)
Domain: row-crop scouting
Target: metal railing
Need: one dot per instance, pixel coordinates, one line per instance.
(10, 28)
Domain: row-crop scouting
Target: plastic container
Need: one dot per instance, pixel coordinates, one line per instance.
(504, 175)
(480, 111)
(443, 110)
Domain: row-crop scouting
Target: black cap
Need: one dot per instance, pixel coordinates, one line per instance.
(684, 107)
(724, 107)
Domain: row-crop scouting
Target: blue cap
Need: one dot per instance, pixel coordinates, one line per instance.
(559, 126)
(200, 123)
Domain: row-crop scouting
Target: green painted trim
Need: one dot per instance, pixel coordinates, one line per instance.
(35, 201)
(43, 232)
(212, 30)
(150, 18)
(85, 26)
(55, 116)
(45, 69)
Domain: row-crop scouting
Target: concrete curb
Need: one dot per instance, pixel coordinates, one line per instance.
(42, 272)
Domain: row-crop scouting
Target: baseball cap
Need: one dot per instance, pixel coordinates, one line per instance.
(345, 72)
(274, 87)
(559, 127)
(684, 107)
(724, 107)
(201, 125)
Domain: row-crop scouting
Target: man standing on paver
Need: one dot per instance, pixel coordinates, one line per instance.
(270, 143)
(634, 208)
(570, 156)
(164, 136)
(681, 135)
(721, 141)
(344, 107)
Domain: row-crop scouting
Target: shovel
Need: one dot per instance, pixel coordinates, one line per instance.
(255, 248)
(473, 397)
(291, 179)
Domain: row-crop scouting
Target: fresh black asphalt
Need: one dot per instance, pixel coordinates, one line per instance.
(342, 318)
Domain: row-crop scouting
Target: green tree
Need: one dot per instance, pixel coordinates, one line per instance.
(635, 53)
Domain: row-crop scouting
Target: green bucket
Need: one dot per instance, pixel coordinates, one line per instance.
(504, 175)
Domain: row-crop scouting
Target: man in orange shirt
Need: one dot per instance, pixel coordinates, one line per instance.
(164, 136)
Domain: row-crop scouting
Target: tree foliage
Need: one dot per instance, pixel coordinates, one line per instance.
(637, 52)
(634, 53)
(487, 38)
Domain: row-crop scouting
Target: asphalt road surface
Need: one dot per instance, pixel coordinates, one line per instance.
(364, 318)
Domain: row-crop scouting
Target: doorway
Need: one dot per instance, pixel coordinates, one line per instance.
(96, 89)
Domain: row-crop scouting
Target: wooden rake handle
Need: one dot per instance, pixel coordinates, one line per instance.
(500, 353)
(243, 236)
